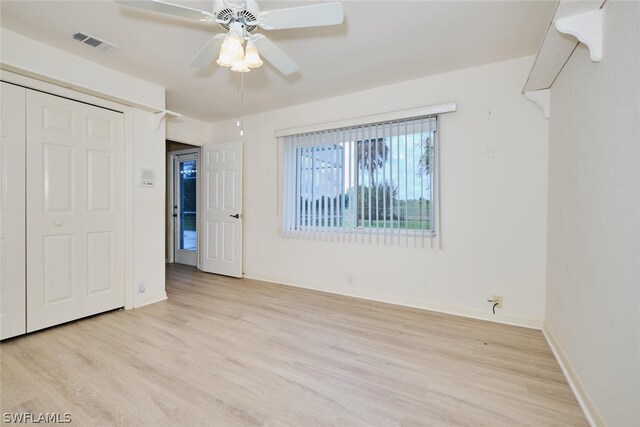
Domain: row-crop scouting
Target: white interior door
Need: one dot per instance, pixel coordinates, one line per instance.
(221, 176)
(185, 208)
(12, 211)
(75, 218)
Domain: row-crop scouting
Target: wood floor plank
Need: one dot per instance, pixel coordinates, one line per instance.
(239, 352)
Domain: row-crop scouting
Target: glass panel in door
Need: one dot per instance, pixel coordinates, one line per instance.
(187, 213)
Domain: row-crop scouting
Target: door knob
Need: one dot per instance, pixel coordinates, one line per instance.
(58, 223)
(236, 216)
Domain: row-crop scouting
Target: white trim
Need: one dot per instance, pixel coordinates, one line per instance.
(297, 233)
(456, 311)
(160, 115)
(169, 222)
(542, 98)
(447, 107)
(129, 282)
(26, 75)
(28, 82)
(580, 392)
(194, 150)
(150, 301)
(556, 48)
(65, 92)
(199, 210)
(587, 28)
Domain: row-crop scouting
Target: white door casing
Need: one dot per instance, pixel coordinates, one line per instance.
(221, 178)
(12, 211)
(75, 210)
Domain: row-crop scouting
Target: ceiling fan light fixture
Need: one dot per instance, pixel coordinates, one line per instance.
(232, 45)
(224, 59)
(251, 56)
(240, 66)
(240, 18)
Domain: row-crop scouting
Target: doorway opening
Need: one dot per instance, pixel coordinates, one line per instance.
(182, 203)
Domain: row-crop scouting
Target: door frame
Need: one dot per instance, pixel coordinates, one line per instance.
(52, 89)
(171, 185)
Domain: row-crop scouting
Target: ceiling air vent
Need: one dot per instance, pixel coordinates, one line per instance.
(92, 41)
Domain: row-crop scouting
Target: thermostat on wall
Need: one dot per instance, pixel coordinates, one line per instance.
(147, 178)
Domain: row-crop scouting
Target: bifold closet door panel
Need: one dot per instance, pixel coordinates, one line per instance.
(75, 218)
(12, 211)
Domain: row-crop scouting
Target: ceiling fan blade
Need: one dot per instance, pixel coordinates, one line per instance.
(274, 55)
(208, 53)
(303, 16)
(169, 9)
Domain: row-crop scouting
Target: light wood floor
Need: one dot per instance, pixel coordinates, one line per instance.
(233, 352)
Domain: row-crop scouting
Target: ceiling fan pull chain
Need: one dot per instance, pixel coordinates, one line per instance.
(241, 104)
(240, 121)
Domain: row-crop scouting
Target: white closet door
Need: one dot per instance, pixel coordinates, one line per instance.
(221, 176)
(75, 221)
(12, 211)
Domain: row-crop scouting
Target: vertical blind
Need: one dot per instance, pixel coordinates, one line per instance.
(369, 183)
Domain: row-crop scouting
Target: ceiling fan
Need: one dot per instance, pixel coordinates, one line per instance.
(241, 19)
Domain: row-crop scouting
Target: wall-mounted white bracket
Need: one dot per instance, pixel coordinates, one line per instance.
(587, 28)
(157, 117)
(542, 98)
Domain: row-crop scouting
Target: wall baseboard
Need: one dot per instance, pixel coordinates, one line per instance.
(151, 300)
(585, 402)
(456, 311)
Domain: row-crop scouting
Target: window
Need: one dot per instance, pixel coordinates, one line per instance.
(376, 179)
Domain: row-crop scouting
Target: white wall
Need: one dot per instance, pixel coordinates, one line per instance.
(593, 289)
(32, 58)
(188, 130)
(494, 182)
(35, 59)
(148, 210)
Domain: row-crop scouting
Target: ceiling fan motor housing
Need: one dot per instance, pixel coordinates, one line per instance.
(237, 11)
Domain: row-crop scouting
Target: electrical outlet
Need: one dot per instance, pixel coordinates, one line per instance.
(349, 280)
(141, 288)
(498, 299)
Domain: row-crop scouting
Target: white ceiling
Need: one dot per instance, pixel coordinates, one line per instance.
(380, 42)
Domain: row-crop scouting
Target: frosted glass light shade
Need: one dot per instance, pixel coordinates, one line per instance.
(240, 66)
(252, 57)
(224, 58)
(233, 44)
